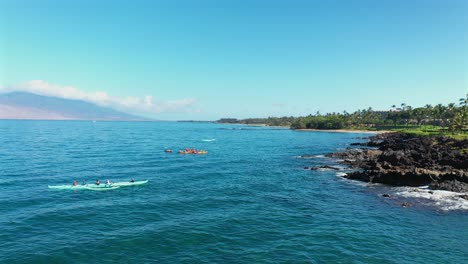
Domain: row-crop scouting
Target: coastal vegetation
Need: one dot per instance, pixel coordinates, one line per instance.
(450, 119)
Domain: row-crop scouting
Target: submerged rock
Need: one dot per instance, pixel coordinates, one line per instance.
(406, 204)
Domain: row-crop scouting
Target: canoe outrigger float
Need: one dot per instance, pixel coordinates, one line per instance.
(95, 187)
(129, 183)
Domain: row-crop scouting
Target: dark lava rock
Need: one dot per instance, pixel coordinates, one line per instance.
(385, 195)
(325, 167)
(453, 185)
(359, 144)
(408, 160)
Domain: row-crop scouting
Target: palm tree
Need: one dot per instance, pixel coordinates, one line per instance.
(464, 101)
(429, 114)
(408, 113)
(418, 113)
(450, 110)
(463, 114)
(458, 122)
(438, 111)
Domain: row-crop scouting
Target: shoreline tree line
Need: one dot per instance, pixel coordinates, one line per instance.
(451, 117)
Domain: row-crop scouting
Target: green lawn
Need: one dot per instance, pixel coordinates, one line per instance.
(426, 130)
(429, 131)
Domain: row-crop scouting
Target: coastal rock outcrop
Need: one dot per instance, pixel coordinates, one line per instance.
(408, 160)
(324, 167)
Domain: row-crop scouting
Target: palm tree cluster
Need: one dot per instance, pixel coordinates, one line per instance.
(363, 118)
(453, 117)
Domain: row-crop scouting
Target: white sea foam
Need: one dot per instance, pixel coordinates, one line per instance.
(445, 200)
(353, 182)
(303, 157)
(309, 156)
(208, 140)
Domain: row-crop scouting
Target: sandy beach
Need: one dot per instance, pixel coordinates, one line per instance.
(344, 131)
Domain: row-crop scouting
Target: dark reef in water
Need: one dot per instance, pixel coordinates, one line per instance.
(407, 160)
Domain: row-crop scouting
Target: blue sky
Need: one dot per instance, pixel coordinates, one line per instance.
(210, 59)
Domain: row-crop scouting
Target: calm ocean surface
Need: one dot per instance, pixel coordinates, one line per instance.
(247, 201)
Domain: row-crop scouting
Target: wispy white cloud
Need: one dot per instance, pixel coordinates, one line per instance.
(145, 104)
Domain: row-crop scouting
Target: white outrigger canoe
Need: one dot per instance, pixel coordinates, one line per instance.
(95, 187)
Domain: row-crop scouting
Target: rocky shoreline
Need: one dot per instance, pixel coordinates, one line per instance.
(399, 159)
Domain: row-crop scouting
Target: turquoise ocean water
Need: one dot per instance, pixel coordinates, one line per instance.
(247, 201)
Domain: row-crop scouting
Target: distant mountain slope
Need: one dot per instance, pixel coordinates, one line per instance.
(23, 105)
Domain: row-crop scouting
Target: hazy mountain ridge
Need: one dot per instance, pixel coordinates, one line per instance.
(23, 105)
